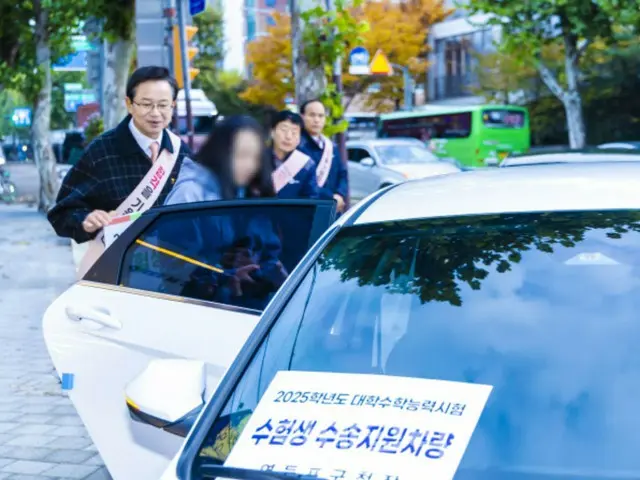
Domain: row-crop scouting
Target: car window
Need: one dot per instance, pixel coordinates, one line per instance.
(543, 307)
(236, 256)
(202, 125)
(400, 154)
(357, 154)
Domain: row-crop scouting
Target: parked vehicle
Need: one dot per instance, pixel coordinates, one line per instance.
(136, 304)
(378, 163)
(570, 157)
(620, 146)
(204, 113)
(476, 136)
(7, 187)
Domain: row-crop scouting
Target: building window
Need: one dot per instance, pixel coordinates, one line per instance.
(251, 28)
(454, 63)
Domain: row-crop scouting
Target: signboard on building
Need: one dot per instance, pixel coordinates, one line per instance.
(73, 99)
(21, 117)
(77, 60)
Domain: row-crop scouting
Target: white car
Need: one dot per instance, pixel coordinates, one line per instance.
(378, 163)
(144, 299)
(569, 157)
(525, 279)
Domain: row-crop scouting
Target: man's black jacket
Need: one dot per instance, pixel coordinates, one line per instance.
(110, 168)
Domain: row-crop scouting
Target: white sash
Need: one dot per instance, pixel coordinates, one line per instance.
(287, 172)
(141, 199)
(324, 165)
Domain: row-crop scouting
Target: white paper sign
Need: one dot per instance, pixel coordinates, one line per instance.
(360, 427)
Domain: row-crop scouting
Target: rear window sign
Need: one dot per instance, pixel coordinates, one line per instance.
(350, 426)
(596, 258)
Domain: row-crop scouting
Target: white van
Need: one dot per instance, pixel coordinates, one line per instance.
(204, 112)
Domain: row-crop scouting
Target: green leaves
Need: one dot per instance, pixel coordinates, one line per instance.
(328, 37)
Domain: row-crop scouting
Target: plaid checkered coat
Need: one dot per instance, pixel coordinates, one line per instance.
(109, 170)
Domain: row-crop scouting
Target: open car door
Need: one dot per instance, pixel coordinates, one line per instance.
(177, 276)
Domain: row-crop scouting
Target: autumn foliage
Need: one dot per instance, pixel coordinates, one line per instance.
(269, 60)
(400, 30)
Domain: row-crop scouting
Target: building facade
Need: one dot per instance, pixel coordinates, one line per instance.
(242, 25)
(454, 44)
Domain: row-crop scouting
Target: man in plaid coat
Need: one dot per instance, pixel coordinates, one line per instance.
(115, 163)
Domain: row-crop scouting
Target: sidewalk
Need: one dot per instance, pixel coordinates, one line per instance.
(41, 437)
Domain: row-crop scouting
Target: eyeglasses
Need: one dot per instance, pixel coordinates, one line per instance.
(147, 107)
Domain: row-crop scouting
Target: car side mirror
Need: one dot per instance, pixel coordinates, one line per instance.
(367, 162)
(168, 394)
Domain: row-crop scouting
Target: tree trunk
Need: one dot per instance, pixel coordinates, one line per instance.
(570, 97)
(309, 82)
(116, 73)
(572, 100)
(40, 128)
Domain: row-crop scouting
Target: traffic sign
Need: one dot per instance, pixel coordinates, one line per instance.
(359, 61)
(197, 6)
(72, 100)
(380, 64)
(21, 117)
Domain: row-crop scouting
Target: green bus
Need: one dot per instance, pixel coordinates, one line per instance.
(475, 136)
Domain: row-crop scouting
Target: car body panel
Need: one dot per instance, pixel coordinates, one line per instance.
(102, 335)
(547, 188)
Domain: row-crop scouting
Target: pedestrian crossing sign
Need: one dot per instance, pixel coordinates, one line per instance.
(380, 64)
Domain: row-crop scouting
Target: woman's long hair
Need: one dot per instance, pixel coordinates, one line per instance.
(217, 154)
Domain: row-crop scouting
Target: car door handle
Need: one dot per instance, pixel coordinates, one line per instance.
(79, 313)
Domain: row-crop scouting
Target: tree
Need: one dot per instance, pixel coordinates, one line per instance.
(269, 59)
(210, 41)
(531, 26)
(33, 35)
(400, 30)
(310, 81)
(118, 29)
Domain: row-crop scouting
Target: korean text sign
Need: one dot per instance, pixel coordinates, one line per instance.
(361, 427)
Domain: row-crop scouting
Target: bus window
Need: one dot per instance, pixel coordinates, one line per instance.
(455, 125)
(503, 118)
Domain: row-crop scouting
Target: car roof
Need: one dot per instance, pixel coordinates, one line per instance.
(571, 157)
(561, 187)
(381, 142)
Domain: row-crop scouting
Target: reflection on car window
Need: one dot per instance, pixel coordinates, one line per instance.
(238, 256)
(399, 154)
(544, 307)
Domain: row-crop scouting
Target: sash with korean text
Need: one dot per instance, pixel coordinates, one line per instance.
(141, 199)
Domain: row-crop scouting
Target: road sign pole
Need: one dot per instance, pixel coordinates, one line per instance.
(408, 89)
(185, 69)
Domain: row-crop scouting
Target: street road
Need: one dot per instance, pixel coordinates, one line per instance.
(41, 437)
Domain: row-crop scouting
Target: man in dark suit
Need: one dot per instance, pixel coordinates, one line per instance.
(334, 184)
(116, 162)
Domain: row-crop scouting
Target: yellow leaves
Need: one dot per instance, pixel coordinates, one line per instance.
(269, 58)
(400, 30)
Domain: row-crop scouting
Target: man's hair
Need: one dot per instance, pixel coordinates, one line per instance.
(287, 116)
(150, 74)
(309, 102)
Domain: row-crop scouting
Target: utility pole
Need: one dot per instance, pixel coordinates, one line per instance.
(170, 15)
(185, 69)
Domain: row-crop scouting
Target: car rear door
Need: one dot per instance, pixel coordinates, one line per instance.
(169, 279)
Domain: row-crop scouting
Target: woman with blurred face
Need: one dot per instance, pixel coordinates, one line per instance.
(229, 165)
(294, 174)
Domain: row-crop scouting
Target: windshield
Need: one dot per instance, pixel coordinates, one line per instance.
(402, 154)
(544, 307)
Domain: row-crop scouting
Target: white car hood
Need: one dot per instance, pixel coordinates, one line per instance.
(415, 170)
